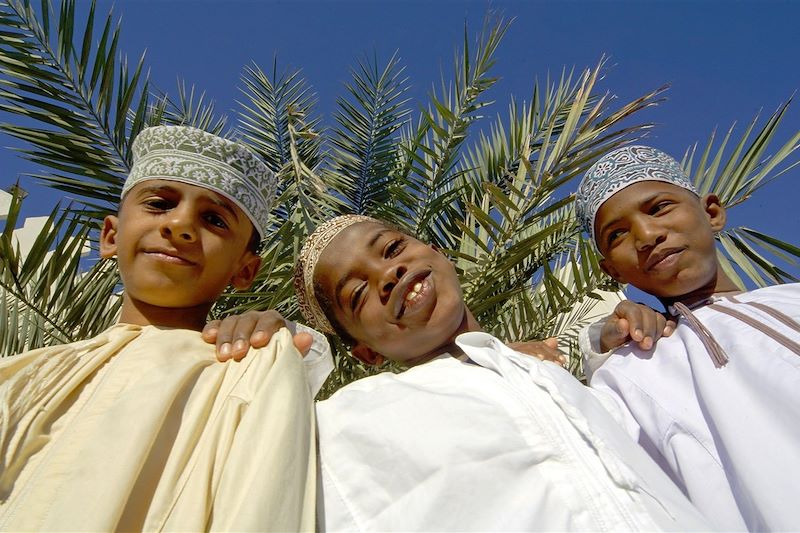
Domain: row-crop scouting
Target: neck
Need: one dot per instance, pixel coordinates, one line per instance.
(142, 314)
(720, 284)
(468, 323)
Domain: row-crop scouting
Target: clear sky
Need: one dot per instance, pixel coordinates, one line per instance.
(724, 61)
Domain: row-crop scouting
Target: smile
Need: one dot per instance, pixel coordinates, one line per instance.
(412, 292)
(168, 257)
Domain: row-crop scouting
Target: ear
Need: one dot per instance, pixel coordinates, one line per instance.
(367, 355)
(246, 273)
(717, 216)
(609, 269)
(108, 237)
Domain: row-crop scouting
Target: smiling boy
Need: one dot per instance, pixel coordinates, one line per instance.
(474, 435)
(716, 403)
(140, 428)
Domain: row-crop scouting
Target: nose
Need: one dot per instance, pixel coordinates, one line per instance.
(648, 233)
(391, 275)
(178, 225)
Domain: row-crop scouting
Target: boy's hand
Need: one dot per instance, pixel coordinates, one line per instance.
(236, 334)
(546, 350)
(635, 322)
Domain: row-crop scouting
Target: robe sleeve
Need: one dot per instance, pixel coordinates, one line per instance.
(589, 344)
(319, 360)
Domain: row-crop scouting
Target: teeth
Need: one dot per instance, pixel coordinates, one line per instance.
(418, 287)
(411, 295)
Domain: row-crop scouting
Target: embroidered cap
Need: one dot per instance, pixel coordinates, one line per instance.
(196, 157)
(618, 169)
(307, 261)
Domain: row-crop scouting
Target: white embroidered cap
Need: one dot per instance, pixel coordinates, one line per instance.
(618, 169)
(193, 156)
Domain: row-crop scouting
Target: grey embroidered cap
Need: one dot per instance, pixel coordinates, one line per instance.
(618, 169)
(196, 157)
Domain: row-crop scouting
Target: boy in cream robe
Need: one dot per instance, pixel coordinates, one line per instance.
(140, 428)
(717, 402)
(474, 436)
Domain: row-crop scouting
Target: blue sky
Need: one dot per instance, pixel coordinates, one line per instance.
(724, 61)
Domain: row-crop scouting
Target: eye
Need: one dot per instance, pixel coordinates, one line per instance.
(660, 206)
(215, 219)
(356, 296)
(395, 247)
(614, 235)
(158, 203)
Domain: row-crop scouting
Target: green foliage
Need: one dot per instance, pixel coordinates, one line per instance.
(492, 193)
(735, 177)
(48, 298)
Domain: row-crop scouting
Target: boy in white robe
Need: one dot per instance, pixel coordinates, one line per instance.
(717, 402)
(140, 428)
(474, 436)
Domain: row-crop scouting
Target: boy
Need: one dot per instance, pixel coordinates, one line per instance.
(474, 436)
(718, 403)
(140, 428)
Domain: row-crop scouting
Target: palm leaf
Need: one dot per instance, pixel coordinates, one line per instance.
(83, 100)
(365, 149)
(49, 295)
(735, 177)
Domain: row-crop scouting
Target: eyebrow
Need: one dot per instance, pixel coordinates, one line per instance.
(337, 292)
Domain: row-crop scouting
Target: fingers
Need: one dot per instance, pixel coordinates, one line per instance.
(543, 350)
(209, 333)
(303, 342)
(636, 322)
(615, 333)
(669, 327)
(236, 334)
(269, 322)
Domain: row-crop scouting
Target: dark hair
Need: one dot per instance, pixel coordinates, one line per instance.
(254, 244)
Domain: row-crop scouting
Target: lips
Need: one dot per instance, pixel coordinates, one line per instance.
(660, 257)
(168, 256)
(410, 291)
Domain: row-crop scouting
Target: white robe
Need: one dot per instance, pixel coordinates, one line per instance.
(730, 436)
(140, 428)
(504, 442)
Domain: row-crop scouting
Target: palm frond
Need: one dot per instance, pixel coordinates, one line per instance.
(442, 130)
(516, 222)
(191, 110)
(365, 150)
(735, 177)
(49, 296)
(83, 100)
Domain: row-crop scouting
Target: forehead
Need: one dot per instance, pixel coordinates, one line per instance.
(348, 249)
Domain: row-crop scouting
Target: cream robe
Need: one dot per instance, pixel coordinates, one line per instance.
(502, 443)
(143, 429)
(730, 436)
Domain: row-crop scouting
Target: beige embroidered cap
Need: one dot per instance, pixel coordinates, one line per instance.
(307, 261)
(196, 157)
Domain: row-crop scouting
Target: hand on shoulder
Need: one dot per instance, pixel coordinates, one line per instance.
(236, 334)
(546, 350)
(635, 322)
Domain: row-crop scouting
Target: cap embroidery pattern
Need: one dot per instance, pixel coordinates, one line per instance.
(196, 157)
(619, 169)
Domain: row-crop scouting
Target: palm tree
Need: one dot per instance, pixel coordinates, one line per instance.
(492, 194)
